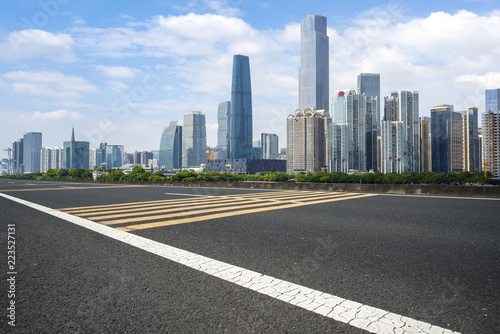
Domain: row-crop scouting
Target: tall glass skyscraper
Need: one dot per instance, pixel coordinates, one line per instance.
(194, 139)
(171, 147)
(76, 153)
(492, 99)
(446, 134)
(32, 149)
(222, 139)
(240, 117)
(314, 64)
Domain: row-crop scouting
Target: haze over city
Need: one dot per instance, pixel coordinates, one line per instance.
(121, 74)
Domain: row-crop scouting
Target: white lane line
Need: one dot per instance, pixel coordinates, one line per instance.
(365, 317)
(189, 195)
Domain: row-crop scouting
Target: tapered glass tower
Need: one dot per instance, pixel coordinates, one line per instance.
(171, 146)
(314, 68)
(240, 117)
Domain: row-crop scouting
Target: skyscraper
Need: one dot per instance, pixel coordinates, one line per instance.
(425, 144)
(76, 153)
(171, 147)
(270, 145)
(392, 147)
(492, 99)
(194, 139)
(471, 146)
(314, 63)
(240, 117)
(403, 106)
(369, 85)
(32, 148)
(349, 137)
(306, 140)
(17, 156)
(446, 134)
(222, 117)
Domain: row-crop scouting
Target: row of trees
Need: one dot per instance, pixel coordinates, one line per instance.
(138, 174)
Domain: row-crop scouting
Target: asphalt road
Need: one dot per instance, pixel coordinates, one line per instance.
(431, 259)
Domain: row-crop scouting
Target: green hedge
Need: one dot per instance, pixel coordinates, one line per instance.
(138, 174)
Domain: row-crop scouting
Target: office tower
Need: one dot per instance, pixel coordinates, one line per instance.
(194, 140)
(338, 148)
(470, 141)
(222, 117)
(446, 134)
(491, 142)
(240, 117)
(114, 156)
(17, 156)
(270, 145)
(256, 149)
(350, 136)
(392, 147)
(75, 153)
(492, 100)
(146, 156)
(32, 148)
(425, 144)
(403, 106)
(171, 147)
(338, 106)
(369, 85)
(306, 140)
(314, 63)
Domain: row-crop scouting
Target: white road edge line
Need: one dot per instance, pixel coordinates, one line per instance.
(365, 317)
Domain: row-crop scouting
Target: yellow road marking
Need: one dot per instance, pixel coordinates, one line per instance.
(123, 206)
(144, 203)
(159, 206)
(229, 214)
(225, 207)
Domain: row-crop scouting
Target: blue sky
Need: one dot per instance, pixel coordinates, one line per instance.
(121, 71)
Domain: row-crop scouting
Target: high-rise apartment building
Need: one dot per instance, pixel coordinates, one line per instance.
(240, 117)
(269, 143)
(403, 106)
(171, 147)
(222, 117)
(491, 132)
(392, 147)
(32, 148)
(471, 161)
(425, 144)
(76, 153)
(46, 159)
(194, 139)
(305, 140)
(314, 64)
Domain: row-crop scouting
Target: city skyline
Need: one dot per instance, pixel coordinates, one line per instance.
(80, 67)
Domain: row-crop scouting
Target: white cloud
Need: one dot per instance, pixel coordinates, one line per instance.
(34, 43)
(117, 71)
(55, 115)
(47, 84)
(117, 86)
